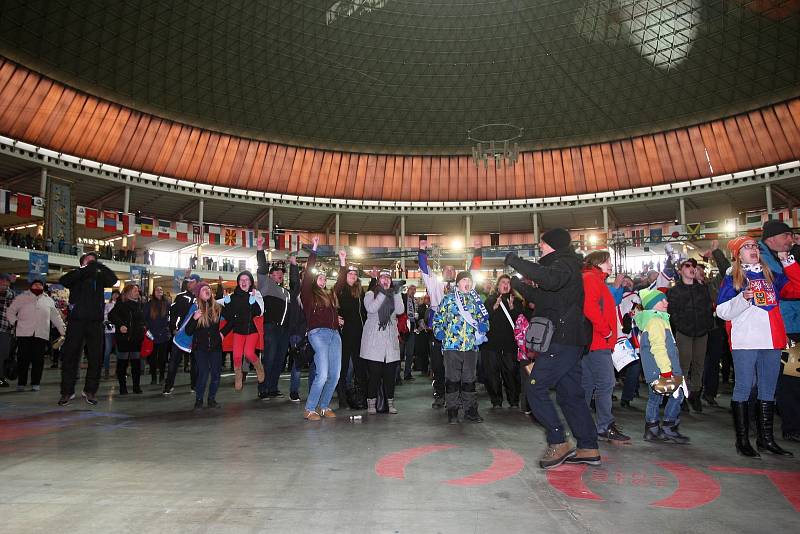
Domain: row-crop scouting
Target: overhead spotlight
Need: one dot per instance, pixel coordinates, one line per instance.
(730, 227)
(479, 278)
(357, 252)
(457, 244)
(593, 239)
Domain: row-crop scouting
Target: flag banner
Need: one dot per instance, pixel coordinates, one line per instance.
(5, 201)
(693, 230)
(197, 234)
(248, 238)
(24, 204)
(146, 226)
(231, 239)
(127, 223)
(91, 218)
(282, 242)
(163, 229)
(80, 216)
(38, 266)
(655, 235)
(676, 230)
(182, 231)
(110, 221)
(214, 235)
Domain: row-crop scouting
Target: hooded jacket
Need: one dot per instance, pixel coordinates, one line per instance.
(658, 351)
(128, 313)
(559, 295)
(600, 308)
(452, 329)
(87, 291)
(690, 308)
(239, 312)
(276, 298)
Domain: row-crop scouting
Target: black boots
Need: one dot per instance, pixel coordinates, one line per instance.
(122, 371)
(741, 422)
(471, 415)
(136, 375)
(653, 432)
(452, 416)
(765, 440)
(671, 433)
(695, 402)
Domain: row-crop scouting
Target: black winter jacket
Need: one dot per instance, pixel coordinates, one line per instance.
(690, 309)
(87, 291)
(207, 338)
(239, 314)
(179, 309)
(501, 333)
(559, 295)
(129, 314)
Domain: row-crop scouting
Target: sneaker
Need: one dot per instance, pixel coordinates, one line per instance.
(212, 403)
(276, 395)
(89, 398)
(613, 434)
(556, 455)
(198, 404)
(585, 456)
(311, 415)
(711, 401)
(4, 383)
(329, 413)
(64, 400)
(263, 395)
(294, 396)
(168, 392)
(36, 388)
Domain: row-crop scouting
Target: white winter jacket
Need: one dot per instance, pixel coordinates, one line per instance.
(33, 316)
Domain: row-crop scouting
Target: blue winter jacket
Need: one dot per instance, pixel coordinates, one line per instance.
(790, 308)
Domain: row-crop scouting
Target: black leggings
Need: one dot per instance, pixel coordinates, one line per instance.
(377, 371)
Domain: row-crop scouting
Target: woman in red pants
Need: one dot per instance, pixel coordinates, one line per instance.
(241, 308)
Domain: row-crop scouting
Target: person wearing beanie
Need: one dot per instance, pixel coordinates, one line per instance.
(461, 323)
(558, 297)
(661, 367)
(206, 344)
(239, 312)
(178, 315)
(749, 301)
(32, 313)
(86, 286)
(777, 237)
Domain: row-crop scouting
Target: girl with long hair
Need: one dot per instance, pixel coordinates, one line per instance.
(350, 294)
(156, 318)
(241, 308)
(499, 353)
(203, 326)
(128, 321)
(320, 307)
(748, 301)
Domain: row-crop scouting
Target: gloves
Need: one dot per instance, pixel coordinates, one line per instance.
(226, 299)
(510, 256)
(666, 385)
(252, 299)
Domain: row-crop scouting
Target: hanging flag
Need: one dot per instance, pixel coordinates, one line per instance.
(248, 238)
(294, 244)
(693, 231)
(655, 235)
(127, 223)
(197, 234)
(146, 226)
(110, 221)
(675, 231)
(80, 216)
(231, 238)
(24, 203)
(163, 229)
(91, 218)
(214, 235)
(5, 201)
(282, 241)
(182, 231)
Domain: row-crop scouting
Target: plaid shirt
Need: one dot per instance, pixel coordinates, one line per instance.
(6, 298)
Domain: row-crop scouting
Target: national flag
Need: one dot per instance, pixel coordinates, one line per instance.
(282, 241)
(675, 231)
(91, 218)
(110, 221)
(182, 231)
(231, 238)
(655, 235)
(163, 229)
(5, 201)
(80, 216)
(214, 235)
(197, 234)
(693, 230)
(248, 238)
(24, 203)
(146, 226)
(127, 223)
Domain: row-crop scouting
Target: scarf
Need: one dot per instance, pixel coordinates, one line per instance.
(411, 309)
(387, 306)
(644, 317)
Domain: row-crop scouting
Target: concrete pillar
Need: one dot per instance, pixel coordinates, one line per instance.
(682, 211)
(535, 219)
(605, 221)
(468, 238)
(402, 243)
(336, 237)
(126, 208)
(768, 191)
(270, 225)
(43, 183)
(200, 208)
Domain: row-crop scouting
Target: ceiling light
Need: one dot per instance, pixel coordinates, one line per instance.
(457, 244)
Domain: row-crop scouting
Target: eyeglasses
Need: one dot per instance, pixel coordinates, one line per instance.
(750, 246)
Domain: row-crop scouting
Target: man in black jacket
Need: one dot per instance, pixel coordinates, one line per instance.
(276, 322)
(86, 286)
(692, 318)
(177, 313)
(558, 296)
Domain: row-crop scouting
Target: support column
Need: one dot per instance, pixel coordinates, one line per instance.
(126, 208)
(200, 208)
(682, 211)
(336, 236)
(605, 221)
(402, 243)
(43, 183)
(535, 220)
(270, 224)
(468, 238)
(768, 191)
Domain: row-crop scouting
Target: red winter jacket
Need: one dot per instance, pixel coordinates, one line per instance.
(599, 307)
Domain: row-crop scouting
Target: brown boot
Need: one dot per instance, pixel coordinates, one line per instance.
(237, 384)
(556, 454)
(259, 371)
(585, 456)
(311, 415)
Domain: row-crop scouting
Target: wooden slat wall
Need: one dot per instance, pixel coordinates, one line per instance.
(43, 112)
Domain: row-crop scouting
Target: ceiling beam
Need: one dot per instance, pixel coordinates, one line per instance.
(328, 223)
(181, 213)
(261, 217)
(99, 201)
(22, 177)
(785, 195)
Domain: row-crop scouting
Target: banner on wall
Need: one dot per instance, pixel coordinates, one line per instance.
(38, 266)
(137, 274)
(177, 281)
(59, 221)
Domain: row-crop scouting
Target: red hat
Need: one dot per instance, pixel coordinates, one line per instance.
(736, 244)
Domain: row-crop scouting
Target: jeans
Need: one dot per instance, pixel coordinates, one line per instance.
(630, 384)
(692, 353)
(276, 344)
(672, 411)
(598, 381)
(108, 346)
(209, 367)
(81, 332)
(328, 360)
(560, 368)
(175, 359)
(756, 367)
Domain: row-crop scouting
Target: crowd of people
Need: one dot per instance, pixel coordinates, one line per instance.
(556, 324)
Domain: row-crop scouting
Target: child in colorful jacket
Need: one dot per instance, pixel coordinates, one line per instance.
(749, 303)
(662, 368)
(461, 323)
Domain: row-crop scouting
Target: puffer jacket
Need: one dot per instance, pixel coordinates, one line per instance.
(129, 314)
(690, 308)
(600, 308)
(33, 316)
(658, 351)
(452, 329)
(239, 313)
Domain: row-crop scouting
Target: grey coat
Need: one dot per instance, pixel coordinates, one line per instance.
(381, 345)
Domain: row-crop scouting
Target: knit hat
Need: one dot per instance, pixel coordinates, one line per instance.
(651, 297)
(85, 254)
(558, 238)
(774, 227)
(195, 277)
(198, 286)
(386, 273)
(462, 275)
(277, 266)
(5, 276)
(736, 244)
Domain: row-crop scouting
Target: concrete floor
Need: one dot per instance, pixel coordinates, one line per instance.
(144, 463)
